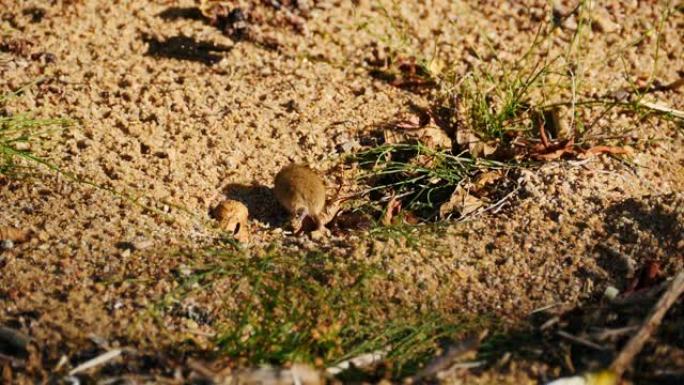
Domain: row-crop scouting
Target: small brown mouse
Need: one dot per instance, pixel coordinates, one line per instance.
(301, 191)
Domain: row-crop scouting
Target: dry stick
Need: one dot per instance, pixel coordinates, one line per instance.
(640, 297)
(542, 135)
(201, 369)
(364, 360)
(99, 360)
(663, 109)
(580, 341)
(636, 343)
(605, 334)
(662, 87)
(448, 358)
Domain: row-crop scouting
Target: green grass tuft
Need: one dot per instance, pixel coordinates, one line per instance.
(498, 108)
(17, 134)
(420, 176)
(283, 307)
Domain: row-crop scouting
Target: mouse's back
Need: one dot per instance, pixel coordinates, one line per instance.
(300, 188)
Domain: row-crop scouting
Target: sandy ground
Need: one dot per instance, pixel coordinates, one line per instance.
(182, 134)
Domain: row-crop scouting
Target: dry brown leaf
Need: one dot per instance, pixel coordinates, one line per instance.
(542, 133)
(434, 138)
(412, 120)
(649, 275)
(553, 151)
(597, 150)
(423, 160)
(232, 217)
(391, 136)
(14, 234)
(393, 208)
(553, 155)
(429, 135)
(486, 178)
(482, 149)
(461, 202)
(476, 146)
(551, 122)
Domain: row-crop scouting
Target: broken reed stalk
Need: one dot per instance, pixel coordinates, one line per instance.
(663, 109)
(636, 343)
(97, 361)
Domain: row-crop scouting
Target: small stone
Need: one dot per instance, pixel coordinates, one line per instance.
(602, 21)
(191, 324)
(611, 293)
(563, 16)
(142, 244)
(184, 270)
(6, 244)
(22, 146)
(348, 146)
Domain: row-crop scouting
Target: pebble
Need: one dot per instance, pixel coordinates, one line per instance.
(6, 244)
(142, 244)
(602, 21)
(348, 146)
(611, 292)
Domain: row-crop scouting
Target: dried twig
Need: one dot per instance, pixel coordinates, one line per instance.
(605, 334)
(641, 296)
(447, 360)
(496, 206)
(97, 361)
(596, 150)
(636, 343)
(580, 341)
(201, 369)
(361, 361)
(663, 109)
(625, 93)
(468, 365)
(542, 136)
(393, 208)
(551, 322)
(661, 87)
